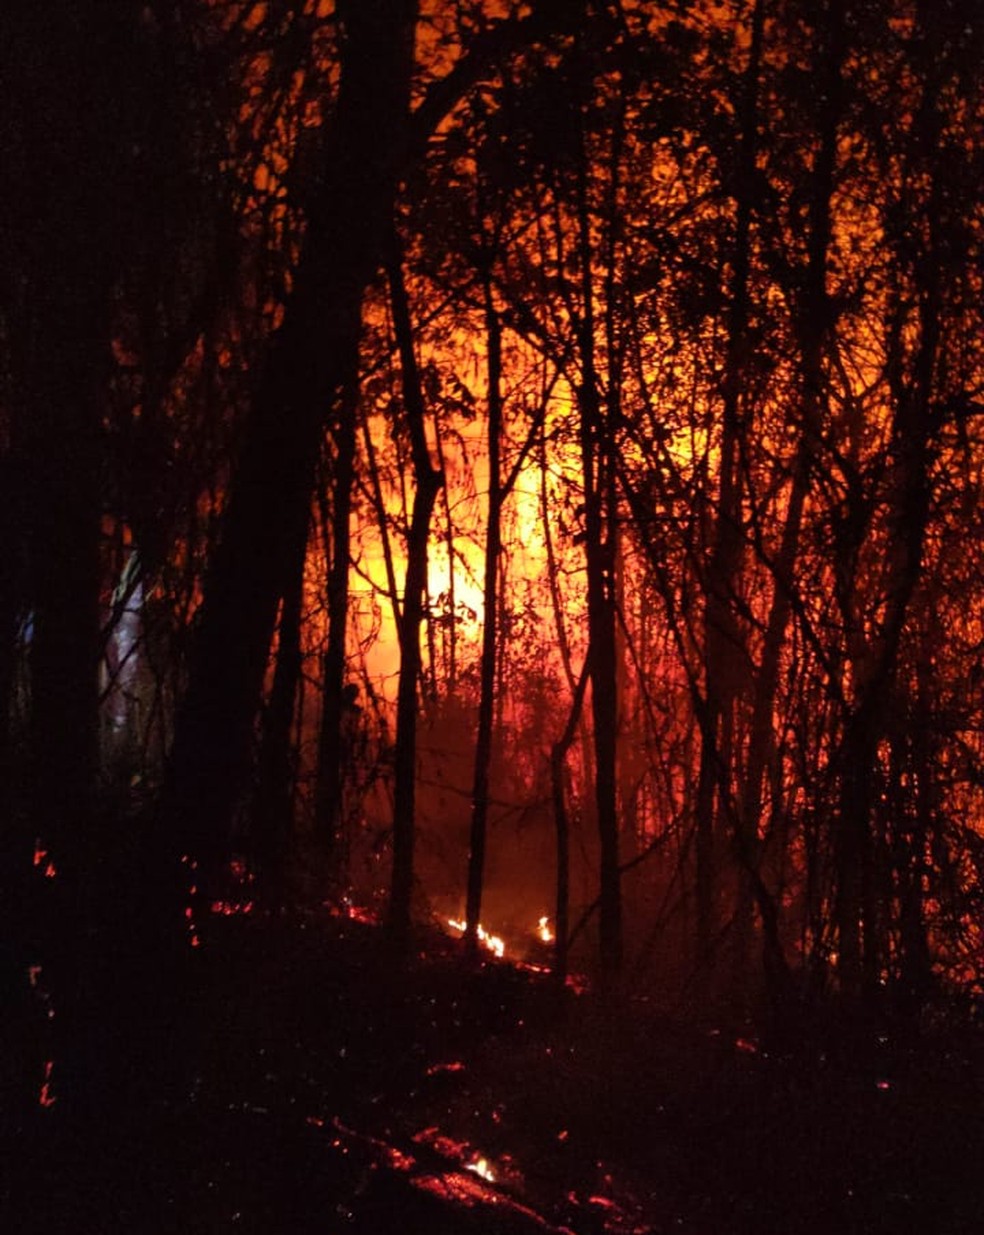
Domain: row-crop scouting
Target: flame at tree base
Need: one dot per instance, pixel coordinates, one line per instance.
(493, 942)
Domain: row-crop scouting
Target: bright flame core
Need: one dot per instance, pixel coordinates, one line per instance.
(481, 1168)
(492, 942)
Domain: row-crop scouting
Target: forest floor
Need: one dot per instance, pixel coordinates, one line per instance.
(329, 1090)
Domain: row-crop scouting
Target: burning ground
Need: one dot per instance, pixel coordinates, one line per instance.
(315, 1085)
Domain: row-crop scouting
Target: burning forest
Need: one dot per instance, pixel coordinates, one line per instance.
(491, 660)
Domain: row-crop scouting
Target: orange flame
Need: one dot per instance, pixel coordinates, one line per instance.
(493, 942)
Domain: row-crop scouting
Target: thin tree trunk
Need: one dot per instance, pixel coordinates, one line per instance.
(812, 329)
(379, 506)
(487, 668)
(428, 483)
(558, 755)
(916, 967)
(723, 643)
(856, 907)
(563, 644)
(596, 464)
(451, 625)
(330, 773)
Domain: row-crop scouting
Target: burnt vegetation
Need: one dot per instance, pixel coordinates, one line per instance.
(491, 657)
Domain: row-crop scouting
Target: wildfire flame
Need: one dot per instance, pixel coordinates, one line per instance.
(493, 942)
(543, 930)
(481, 1168)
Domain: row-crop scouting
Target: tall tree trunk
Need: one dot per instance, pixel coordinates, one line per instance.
(275, 471)
(449, 642)
(724, 649)
(273, 813)
(58, 104)
(428, 484)
(16, 841)
(857, 912)
(382, 523)
(558, 756)
(330, 773)
(599, 549)
(12, 600)
(64, 663)
(812, 327)
(487, 674)
(556, 605)
(916, 973)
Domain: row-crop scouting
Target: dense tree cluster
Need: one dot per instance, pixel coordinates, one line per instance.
(522, 455)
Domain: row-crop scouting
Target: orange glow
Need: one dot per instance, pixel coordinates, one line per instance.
(452, 1186)
(354, 913)
(438, 1068)
(777, 533)
(398, 1160)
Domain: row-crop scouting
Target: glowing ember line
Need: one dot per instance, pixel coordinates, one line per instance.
(228, 909)
(437, 1068)
(46, 1097)
(492, 942)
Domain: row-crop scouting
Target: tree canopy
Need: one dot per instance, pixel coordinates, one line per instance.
(515, 463)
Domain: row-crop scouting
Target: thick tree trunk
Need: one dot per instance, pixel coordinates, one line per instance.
(12, 607)
(273, 812)
(57, 307)
(275, 471)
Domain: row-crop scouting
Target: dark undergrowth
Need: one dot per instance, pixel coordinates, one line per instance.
(307, 1082)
